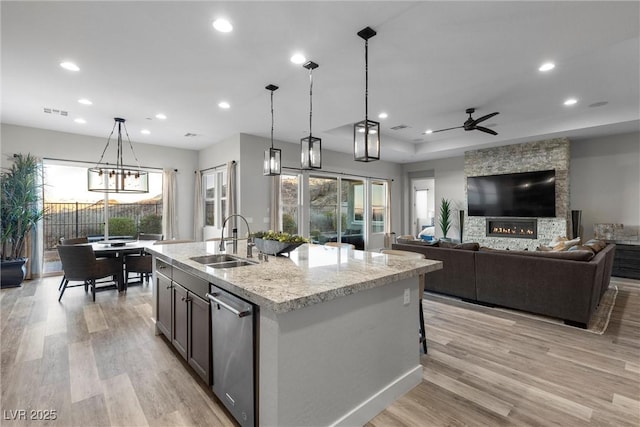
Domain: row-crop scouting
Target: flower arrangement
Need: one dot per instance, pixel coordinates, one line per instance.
(280, 236)
(276, 243)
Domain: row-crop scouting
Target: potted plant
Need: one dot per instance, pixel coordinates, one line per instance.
(21, 209)
(277, 243)
(445, 220)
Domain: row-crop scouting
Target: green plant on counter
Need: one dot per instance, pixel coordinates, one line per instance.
(279, 236)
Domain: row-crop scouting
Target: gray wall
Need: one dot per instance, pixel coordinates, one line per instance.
(605, 180)
(68, 146)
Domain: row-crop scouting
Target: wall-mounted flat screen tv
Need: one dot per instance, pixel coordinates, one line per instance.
(526, 194)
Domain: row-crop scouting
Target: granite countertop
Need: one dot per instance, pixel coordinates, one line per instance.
(310, 275)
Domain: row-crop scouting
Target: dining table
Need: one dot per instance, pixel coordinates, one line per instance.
(119, 249)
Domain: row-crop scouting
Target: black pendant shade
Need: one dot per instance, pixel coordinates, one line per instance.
(272, 156)
(310, 146)
(366, 133)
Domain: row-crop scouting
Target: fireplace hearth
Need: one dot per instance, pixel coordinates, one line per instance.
(516, 228)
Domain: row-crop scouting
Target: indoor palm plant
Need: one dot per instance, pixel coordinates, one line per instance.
(445, 220)
(21, 209)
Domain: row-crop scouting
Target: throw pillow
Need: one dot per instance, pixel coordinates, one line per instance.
(573, 242)
(557, 240)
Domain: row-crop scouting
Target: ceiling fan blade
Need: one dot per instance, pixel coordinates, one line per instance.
(487, 130)
(483, 118)
(442, 130)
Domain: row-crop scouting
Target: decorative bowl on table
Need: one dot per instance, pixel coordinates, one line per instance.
(274, 243)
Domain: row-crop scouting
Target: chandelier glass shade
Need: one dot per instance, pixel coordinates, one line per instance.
(117, 178)
(310, 146)
(272, 156)
(366, 133)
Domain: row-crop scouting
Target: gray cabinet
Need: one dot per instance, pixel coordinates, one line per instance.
(180, 334)
(184, 316)
(163, 287)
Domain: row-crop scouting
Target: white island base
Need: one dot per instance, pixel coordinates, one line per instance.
(339, 362)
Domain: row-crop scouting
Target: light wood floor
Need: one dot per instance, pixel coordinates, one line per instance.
(101, 365)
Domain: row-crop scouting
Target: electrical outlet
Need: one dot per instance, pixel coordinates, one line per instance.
(407, 296)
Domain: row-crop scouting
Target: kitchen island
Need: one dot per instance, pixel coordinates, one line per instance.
(336, 330)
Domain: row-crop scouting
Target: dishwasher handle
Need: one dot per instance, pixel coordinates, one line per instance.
(221, 303)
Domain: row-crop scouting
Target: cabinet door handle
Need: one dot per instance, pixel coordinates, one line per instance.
(170, 286)
(213, 298)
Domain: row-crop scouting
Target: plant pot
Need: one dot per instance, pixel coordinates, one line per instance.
(274, 247)
(13, 272)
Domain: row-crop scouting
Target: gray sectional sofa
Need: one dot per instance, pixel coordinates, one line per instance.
(565, 285)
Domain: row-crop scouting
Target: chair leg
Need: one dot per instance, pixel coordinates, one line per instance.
(423, 335)
(64, 287)
(61, 283)
(93, 289)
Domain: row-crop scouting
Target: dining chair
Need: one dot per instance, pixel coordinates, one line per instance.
(340, 245)
(139, 263)
(80, 264)
(74, 241)
(421, 280)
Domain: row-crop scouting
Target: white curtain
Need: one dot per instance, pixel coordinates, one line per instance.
(198, 208)
(169, 204)
(231, 194)
(275, 203)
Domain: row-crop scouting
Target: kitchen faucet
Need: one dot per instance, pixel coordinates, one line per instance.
(250, 243)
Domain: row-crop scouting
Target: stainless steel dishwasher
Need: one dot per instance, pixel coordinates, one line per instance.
(232, 344)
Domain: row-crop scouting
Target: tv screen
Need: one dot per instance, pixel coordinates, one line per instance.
(526, 194)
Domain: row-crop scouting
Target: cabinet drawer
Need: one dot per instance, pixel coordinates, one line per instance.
(192, 283)
(164, 268)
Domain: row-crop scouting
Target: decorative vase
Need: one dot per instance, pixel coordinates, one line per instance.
(275, 247)
(13, 272)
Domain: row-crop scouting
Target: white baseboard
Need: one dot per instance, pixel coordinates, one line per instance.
(375, 404)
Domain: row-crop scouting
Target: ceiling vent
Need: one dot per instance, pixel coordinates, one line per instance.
(190, 135)
(399, 127)
(55, 111)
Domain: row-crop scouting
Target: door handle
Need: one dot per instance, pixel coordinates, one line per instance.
(223, 304)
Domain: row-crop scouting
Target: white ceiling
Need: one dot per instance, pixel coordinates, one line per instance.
(429, 62)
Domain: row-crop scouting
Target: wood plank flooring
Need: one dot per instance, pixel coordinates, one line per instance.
(101, 365)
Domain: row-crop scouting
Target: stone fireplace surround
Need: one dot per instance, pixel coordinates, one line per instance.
(533, 156)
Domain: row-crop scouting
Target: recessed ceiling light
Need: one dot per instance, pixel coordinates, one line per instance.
(547, 66)
(571, 101)
(429, 131)
(69, 66)
(222, 25)
(383, 115)
(161, 116)
(85, 101)
(80, 120)
(224, 105)
(145, 132)
(298, 58)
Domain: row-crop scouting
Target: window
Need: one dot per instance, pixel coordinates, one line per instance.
(215, 197)
(378, 206)
(290, 203)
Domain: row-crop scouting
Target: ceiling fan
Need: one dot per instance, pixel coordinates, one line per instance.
(472, 124)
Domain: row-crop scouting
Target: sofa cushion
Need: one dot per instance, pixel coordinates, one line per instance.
(595, 245)
(469, 246)
(575, 255)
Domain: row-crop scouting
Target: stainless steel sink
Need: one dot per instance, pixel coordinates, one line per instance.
(212, 259)
(231, 264)
(222, 261)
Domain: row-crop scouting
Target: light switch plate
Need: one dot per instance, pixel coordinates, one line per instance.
(407, 296)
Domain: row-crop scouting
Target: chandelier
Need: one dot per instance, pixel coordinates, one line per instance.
(117, 178)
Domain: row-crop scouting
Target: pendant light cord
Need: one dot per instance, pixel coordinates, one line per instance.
(310, 99)
(366, 80)
(272, 119)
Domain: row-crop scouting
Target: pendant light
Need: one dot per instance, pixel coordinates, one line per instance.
(366, 134)
(271, 155)
(109, 178)
(310, 146)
